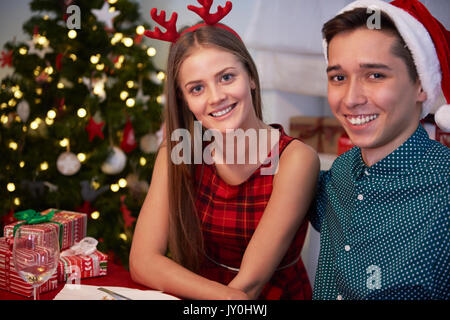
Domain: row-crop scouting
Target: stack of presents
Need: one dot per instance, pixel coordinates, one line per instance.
(72, 264)
(326, 135)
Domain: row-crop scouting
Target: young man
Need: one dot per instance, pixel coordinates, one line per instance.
(382, 210)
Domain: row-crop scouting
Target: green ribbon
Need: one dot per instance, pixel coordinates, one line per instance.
(32, 217)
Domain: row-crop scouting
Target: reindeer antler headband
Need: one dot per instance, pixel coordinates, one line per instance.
(172, 35)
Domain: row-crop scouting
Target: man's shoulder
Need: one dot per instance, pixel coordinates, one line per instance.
(437, 158)
(346, 159)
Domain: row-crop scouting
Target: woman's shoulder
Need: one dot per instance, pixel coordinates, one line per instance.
(297, 152)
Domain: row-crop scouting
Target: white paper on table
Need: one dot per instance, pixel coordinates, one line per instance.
(86, 292)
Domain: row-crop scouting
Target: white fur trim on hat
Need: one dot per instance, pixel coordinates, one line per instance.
(419, 43)
(442, 117)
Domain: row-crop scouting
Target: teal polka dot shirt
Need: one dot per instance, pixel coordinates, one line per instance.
(384, 229)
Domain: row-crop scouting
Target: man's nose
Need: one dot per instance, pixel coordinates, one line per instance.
(354, 94)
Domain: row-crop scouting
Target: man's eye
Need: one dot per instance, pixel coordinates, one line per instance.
(376, 75)
(337, 78)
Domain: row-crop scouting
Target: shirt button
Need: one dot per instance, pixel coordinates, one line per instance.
(347, 247)
(360, 197)
(339, 297)
(366, 172)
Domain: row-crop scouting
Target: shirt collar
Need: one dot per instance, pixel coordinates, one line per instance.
(397, 162)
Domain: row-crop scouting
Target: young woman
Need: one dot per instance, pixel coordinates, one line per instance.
(231, 231)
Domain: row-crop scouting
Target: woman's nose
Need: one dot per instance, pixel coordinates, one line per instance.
(216, 95)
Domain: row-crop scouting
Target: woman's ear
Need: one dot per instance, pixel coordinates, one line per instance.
(252, 84)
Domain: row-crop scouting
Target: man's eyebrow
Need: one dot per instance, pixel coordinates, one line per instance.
(334, 68)
(374, 66)
(362, 66)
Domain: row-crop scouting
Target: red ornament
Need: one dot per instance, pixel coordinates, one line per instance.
(95, 129)
(85, 208)
(128, 140)
(126, 214)
(8, 218)
(58, 62)
(6, 58)
(138, 38)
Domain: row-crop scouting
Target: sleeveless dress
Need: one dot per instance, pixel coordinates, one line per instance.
(229, 215)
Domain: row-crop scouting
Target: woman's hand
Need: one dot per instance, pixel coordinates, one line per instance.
(235, 294)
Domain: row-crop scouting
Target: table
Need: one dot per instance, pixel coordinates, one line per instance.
(117, 276)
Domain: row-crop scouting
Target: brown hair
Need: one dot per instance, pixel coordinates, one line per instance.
(357, 18)
(185, 235)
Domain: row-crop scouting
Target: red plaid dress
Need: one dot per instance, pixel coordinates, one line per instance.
(229, 216)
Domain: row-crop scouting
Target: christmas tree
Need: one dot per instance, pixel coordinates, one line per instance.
(80, 116)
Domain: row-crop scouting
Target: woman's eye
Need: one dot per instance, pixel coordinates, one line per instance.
(227, 77)
(196, 89)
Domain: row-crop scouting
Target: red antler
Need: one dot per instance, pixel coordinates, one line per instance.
(171, 33)
(210, 18)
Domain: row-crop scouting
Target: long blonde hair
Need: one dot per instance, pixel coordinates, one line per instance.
(185, 235)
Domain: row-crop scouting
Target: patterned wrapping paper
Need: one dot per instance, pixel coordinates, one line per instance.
(10, 279)
(321, 133)
(74, 226)
(81, 266)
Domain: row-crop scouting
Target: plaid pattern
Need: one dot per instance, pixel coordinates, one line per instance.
(230, 215)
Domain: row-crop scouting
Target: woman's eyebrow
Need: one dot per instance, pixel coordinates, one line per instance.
(217, 74)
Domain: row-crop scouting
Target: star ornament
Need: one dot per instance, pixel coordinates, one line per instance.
(105, 15)
(40, 52)
(6, 58)
(94, 129)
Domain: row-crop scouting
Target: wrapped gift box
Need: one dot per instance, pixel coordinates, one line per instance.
(10, 279)
(321, 133)
(82, 266)
(73, 225)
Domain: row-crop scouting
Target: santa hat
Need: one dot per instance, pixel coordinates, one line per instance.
(429, 43)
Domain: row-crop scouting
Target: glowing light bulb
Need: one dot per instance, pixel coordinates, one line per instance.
(81, 157)
(44, 166)
(115, 187)
(72, 34)
(13, 145)
(161, 75)
(151, 52)
(124, 95)
(11, 187)
(81, 112)
(51, 114)
(95, 59)
(64, 142)
(123, 236)
(128, 42)
(122, 183)
(95, 215)
(130, 102)
(140, 30)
